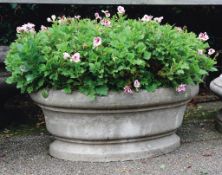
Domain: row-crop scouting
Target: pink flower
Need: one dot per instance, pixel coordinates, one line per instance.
(203, 36)
(137, 84)
(75, 58)
(106, 22)
(147, 18)
(106, 12)
(121, 10)
(77, 17)
(158, 19)
(97, 16)
(211, 51)
(200, 52)
(66, 55)
(97, 41)
(128, 90)
(181, 88)
(43, 28)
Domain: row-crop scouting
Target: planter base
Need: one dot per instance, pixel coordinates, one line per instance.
(219, 121)
(114, 152)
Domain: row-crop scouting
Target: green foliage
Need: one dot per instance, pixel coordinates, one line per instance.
(156, 55)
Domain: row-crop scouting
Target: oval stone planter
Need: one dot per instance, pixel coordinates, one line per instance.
(216, 87)
(116, 127)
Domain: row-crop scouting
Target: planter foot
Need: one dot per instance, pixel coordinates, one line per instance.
(219, 121)
(113, 152)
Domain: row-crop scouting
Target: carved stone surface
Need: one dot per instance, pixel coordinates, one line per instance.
(216, 87)
(116, 127)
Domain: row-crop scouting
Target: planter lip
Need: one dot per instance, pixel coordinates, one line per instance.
(115, 100)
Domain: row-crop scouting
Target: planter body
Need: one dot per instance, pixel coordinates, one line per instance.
(116, 127)
(216, 87)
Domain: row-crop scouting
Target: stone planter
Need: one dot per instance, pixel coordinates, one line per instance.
(216, 87)
(116, 127)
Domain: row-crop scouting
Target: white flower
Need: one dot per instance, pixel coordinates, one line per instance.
(203, 36)
(53, 17)
(76, 57)
(97, 41)
(106, 12)
(211, 51)
(136, 84)
(147, 18)
(158, 19)
(43, 28)
(19, 29)
(29, 25)
(49, 19)
(121, 9)
(179, 29)
(66, 55)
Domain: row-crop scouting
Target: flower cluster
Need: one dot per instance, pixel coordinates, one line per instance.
(147, 18)
(29, 27)
(204, 37)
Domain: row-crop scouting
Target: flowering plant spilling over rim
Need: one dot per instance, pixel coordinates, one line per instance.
(108, 53)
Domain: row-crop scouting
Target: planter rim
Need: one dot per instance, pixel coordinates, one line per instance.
(115, 100)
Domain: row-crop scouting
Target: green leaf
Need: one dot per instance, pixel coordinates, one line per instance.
(102, 90)
(67, 90)
(147, 55)
(10, 80)
(180, 72)
(213, 69)
(45, 93)
(152, 87)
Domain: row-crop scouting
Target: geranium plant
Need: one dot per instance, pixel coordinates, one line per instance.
(108, 53)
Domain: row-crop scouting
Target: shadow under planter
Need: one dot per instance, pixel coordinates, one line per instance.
(216, 87)
(116, 127)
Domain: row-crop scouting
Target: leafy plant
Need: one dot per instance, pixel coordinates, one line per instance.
(108, 53)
